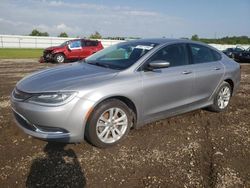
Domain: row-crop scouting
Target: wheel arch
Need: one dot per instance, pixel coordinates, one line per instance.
(60, 52)
(230, 82)
(125, 100)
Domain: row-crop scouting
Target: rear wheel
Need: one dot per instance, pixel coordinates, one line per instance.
(59, 58)
(222, 98)
(109, 123)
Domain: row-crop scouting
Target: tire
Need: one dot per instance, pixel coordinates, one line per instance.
(101, 130)
(220, 104)
(59, 58)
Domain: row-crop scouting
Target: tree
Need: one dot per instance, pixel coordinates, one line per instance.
(63, 34)
(96, 35)
(35, 32)
(45, 34)
(195, 37)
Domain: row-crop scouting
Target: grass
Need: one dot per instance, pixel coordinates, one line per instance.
(20, 53)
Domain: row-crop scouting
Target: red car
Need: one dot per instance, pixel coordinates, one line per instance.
(71, 50)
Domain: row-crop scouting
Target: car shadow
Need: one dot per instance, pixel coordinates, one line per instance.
(60, 168)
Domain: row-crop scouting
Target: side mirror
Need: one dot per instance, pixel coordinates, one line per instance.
(68, 46)
(158, 64)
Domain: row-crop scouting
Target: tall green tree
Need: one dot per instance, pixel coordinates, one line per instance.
(36, 32)
(95, 35)
(63, 34)
(195, 37)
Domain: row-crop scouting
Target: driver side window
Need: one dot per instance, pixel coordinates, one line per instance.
(175, 54)
(75, 44)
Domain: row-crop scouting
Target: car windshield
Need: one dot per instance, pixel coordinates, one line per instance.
(120, 56)
(64, 44)
(238, 49)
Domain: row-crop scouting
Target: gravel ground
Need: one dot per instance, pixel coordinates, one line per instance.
(196, 149)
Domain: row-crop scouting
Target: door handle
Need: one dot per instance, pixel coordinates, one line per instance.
(217, 68)
(186, 72)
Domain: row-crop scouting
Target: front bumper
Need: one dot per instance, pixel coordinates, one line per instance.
(47, 57)
(64, 123)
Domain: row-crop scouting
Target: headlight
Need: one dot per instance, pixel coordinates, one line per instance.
(52, 99)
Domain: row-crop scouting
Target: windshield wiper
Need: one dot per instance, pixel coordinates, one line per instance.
(100, 64)
(103, 65)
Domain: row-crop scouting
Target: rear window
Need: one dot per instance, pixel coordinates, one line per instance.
(237, 49)
(91, 43)
(217, 55)
(203, 54)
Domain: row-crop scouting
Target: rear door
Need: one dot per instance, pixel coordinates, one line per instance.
(88, 48)
(167, 89)
(208, 71)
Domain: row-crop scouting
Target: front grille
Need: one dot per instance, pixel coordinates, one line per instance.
(20, 96)
(47, 54)
(24, 123)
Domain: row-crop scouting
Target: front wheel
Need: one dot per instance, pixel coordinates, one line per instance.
(59, 58)
(109, 123)
(222, 98)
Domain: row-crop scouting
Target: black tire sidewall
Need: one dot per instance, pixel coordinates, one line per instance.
(90, 129)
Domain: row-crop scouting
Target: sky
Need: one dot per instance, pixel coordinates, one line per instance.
(127, 18)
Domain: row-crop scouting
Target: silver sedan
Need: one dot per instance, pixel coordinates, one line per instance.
(123, 86)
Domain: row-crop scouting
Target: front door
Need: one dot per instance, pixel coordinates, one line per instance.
(75, 48)
(167, 89)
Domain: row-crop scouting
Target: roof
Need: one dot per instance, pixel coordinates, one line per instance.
(160, 40)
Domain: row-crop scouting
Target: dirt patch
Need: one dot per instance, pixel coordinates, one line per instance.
(197, 149)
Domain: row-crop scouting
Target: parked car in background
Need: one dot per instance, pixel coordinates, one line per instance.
(231, 52)
(125, 85)
(71, 50)
(243, 56)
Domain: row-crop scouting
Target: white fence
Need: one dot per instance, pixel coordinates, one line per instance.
(19, 41)
(225, 46)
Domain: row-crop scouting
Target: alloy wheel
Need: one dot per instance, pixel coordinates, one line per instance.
(224, 97)
(111, 125)
(60, 59)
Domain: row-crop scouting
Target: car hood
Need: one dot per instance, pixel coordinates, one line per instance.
(73, 76)
(53, 48)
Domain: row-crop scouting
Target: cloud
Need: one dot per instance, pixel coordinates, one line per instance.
(140, 13)
(62, 26)
(56, 28)
(13, 23)
(75, 5)
(82, 19)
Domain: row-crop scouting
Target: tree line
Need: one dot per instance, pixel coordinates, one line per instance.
(97, 35)
(224, 40)
(36, 32)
